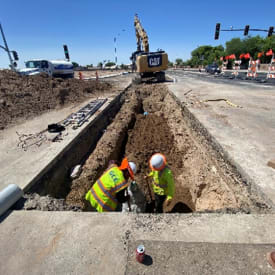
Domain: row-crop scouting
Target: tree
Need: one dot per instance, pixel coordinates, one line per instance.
(99, 65)
(204, 55)
(75, 64)
(170, 64)
(123, 67)
(110, 64)
(178, 62)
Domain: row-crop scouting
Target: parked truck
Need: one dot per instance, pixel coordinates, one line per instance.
(54, 68)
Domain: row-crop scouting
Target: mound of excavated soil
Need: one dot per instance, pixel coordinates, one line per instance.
(23, 97)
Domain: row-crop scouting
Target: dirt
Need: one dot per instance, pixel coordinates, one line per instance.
(204, 181)
(23, 97)
(150, 121)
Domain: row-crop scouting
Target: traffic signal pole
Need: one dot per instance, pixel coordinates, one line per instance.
(270, 31)
(6, 48)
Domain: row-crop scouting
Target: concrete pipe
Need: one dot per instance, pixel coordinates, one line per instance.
(8, 196)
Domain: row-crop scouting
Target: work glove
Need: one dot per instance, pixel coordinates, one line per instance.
(168, 201)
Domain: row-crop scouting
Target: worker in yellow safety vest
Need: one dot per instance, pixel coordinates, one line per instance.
(162, 181)
(109, 190)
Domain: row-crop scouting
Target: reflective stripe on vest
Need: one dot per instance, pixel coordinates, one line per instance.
(160, 174)
(106, 191)
(100, 202)
(105, 188)
(160, 185)
(118, 187)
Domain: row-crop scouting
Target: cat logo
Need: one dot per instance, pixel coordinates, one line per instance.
(154, 61)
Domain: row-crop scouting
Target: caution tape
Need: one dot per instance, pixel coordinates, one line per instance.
(223, 99)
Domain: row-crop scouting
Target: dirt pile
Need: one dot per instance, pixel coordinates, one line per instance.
(23, 97)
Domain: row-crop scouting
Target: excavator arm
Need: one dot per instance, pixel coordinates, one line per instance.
(141, 36)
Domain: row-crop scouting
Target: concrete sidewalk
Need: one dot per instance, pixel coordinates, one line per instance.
(244, 127)
(25, 167)
(93, 243)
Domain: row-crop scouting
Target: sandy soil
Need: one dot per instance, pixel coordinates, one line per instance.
(24, 97)
(204, 181)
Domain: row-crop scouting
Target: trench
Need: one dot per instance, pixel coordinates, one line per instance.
(149, 120)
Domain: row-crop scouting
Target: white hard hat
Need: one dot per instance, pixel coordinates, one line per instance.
(157, 162)
(133, 166)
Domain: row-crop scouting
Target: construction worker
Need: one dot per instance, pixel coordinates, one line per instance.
(109, 190)
(162, 180)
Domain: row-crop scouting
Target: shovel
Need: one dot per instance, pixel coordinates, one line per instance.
(150, 207)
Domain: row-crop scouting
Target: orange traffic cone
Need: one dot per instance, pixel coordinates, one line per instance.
(80, 75)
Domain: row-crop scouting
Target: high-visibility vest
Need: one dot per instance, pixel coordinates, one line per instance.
(102, 195)
(163, 182)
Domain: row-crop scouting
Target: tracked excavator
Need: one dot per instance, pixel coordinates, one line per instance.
(146, 64)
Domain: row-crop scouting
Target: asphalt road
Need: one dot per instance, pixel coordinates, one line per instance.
(240, 115)
(219, 79)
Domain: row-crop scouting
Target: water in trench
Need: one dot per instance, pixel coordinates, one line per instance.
(151, 121)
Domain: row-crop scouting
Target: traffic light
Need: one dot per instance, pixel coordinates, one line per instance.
(66, 51)
(15, 55)
(217, 32)
(270, 31)
(246, 30)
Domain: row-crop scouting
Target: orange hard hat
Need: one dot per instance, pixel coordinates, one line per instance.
(130, 166)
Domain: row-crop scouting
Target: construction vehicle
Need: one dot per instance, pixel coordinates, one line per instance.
(54, 68)
(147, 64)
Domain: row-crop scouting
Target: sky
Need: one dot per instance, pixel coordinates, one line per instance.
(39, 29)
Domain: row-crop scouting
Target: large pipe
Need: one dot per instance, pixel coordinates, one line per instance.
(8, 196)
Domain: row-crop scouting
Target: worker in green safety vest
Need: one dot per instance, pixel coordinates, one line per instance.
(162, 181)
(109, 190)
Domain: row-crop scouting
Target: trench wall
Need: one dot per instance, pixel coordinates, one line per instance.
(55, 180)
(210, 142)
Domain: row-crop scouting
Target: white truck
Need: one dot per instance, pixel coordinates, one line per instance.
(54, 68)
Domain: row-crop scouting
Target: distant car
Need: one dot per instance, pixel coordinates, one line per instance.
(212, 69)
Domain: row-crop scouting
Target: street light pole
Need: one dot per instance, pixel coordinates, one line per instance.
(6, 48)
(115, 45)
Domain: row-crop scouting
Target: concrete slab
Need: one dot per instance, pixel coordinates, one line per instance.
(24, 167)
(34, 242)
(200, 258)
(245, 132)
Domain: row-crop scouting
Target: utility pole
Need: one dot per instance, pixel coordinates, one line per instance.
(6, 48)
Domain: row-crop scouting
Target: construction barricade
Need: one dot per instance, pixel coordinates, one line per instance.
(236, 67)
(252, 71)
(271, 68)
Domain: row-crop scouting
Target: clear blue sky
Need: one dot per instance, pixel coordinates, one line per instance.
(38, 29)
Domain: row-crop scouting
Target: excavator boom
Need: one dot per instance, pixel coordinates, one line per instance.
(141, 36)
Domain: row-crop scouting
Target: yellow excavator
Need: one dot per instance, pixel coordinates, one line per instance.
(147, 65)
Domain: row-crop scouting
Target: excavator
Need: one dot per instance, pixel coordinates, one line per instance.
(146, 64)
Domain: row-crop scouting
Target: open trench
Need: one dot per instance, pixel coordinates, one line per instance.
(150, 120)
